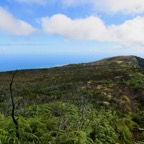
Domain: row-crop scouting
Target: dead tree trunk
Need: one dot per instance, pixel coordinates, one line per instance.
(15, 121)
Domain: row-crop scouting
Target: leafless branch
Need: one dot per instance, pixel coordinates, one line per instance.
(13, 105)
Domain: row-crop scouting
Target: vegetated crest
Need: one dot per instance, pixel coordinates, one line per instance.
(126, 61)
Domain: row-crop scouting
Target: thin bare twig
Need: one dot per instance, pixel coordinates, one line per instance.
(13, 105)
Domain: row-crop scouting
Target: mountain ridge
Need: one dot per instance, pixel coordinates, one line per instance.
(129, 60)
(98, 102)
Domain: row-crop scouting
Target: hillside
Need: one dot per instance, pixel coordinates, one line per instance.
(97, 102)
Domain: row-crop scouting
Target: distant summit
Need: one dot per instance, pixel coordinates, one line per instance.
(128, 61)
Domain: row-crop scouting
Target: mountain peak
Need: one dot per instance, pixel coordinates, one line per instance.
(131, 61)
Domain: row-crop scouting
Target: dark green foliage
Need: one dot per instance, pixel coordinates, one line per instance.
(95, 103)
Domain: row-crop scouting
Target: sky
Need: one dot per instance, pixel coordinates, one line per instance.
(48, 33)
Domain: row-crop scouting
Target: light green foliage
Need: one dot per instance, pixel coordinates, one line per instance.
(62, 123)
(137, 81)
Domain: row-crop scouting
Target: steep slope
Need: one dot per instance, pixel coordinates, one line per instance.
(115, 77)
(97, 102)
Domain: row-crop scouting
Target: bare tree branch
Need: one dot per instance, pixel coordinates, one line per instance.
(13, 105)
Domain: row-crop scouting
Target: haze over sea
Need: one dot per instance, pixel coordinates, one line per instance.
(42, 61)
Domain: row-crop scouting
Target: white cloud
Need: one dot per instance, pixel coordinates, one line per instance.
(123, 6)
(131, 32)
(91, 28)
(14, 26)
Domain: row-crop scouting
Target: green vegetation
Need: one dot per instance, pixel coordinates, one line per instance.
(94, 103)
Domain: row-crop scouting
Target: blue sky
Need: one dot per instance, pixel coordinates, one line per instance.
(46, 33)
